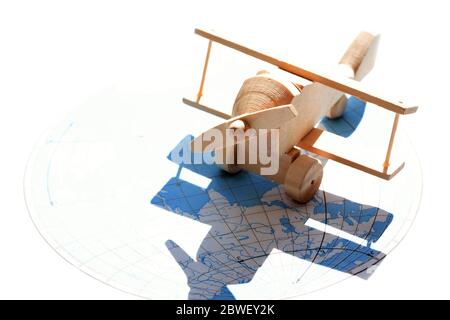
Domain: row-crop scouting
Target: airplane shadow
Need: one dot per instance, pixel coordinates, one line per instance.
(250, 216)
(345, 125)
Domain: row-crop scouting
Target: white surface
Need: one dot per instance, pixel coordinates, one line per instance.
(54, 55)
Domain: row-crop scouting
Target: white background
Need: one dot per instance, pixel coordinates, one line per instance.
(55, 54)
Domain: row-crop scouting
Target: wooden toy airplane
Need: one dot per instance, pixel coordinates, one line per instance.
(267, 102)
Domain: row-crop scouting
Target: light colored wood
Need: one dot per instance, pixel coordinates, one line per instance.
(338, 108)
(271, 118)
(264, 119)
(285, 161)
(342, 84)
(205, 68)
(212, 111)
(311, 105)
(261, 92)
(356, 63)
(361, 54)
(317, 138)
(369, 60)
(303, 178)
(229, 165)
(315, 101)
(391, 143)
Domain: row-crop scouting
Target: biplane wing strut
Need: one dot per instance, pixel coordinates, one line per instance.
(371, 164)
(202, 107)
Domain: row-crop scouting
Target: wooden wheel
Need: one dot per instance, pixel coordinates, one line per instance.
(303, 178)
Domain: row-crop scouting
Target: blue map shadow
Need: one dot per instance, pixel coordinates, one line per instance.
(250, 216)
(345, 125)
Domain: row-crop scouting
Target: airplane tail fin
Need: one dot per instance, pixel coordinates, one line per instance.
(360, 55)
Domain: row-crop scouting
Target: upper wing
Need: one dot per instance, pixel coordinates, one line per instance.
(345, 85)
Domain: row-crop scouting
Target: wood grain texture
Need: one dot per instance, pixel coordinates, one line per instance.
(205, 68)
(387, 160)
(263, 91)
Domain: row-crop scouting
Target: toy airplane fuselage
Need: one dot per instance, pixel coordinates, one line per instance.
(267, 102)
